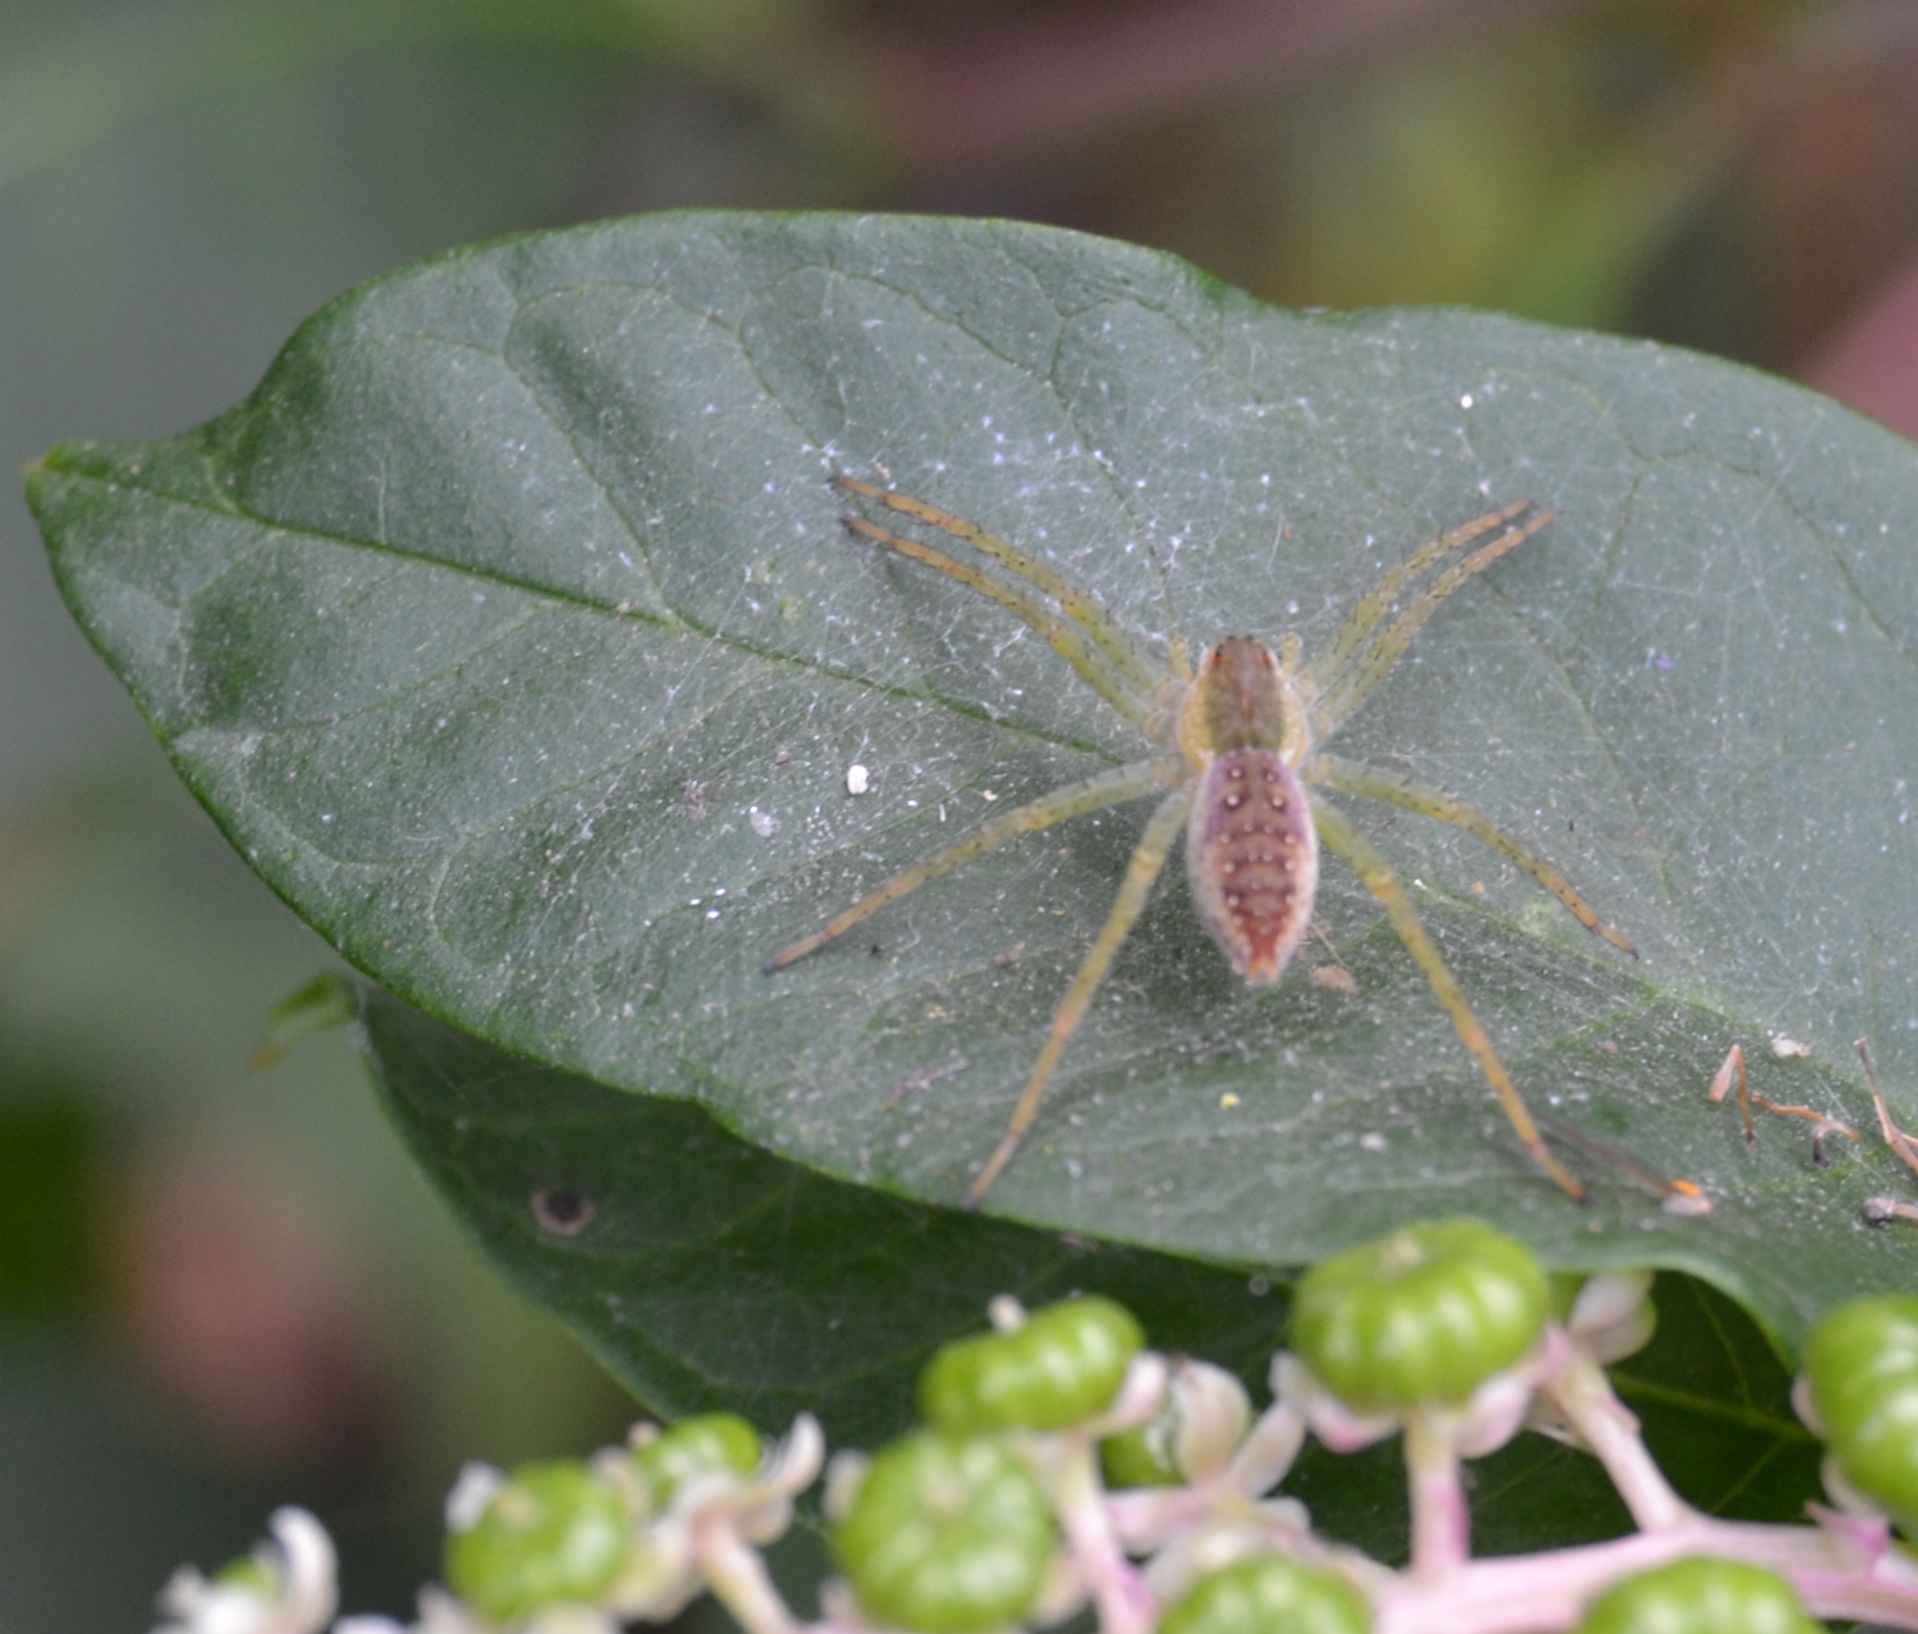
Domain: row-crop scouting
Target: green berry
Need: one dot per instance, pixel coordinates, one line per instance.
(1063, 1366)
(554, 1534)
(1424, 1315)
(1139, 1457)
(1863, 1364)
(946, 1535)
(1192, 1437)
(1268, 1595)
(251, 1574)
(1565, 1288)
(709, 1444)
(1701, 1595)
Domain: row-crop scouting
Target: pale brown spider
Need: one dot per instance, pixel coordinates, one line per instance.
(1235, 744)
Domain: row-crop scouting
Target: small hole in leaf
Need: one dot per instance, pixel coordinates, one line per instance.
(563, 1211)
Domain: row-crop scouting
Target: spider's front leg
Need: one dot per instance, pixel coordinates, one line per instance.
(1086, 637)
(1363, 654)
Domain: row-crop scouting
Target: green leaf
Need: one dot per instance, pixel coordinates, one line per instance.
(707, 1274)
(510, 632)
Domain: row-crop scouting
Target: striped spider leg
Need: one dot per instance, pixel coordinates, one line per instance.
(1233, 750)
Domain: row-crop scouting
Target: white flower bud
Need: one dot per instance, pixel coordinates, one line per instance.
(288, 1586)
(1205, 1417)
(1613, 1315)
(473, 1492)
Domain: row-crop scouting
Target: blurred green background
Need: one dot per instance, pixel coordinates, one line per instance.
(221, 1290)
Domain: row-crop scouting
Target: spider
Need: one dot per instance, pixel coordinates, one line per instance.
(1236, 743)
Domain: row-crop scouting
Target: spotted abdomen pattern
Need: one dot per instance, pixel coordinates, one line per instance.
(1253, 859)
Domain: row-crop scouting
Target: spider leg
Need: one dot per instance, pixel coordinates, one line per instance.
(1348, 778)
(1148, 859)
(1372, 608)
(1344, 688)
(1105, 789)
(1375, 873)
(1078, 605)
(1062, 637)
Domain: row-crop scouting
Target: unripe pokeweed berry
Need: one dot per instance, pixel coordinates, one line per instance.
(554, 1534)
(1565, 1287)
(708, 1444)
(1139, 1457)
(1063, 1366)
(1426, 1314)
(1267, 1594)
(249, 1574)
(1862, 1361)
(1700, 1595)
(1199, 1426)
(946, 1535)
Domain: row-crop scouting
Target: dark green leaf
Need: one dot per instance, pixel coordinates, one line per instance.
(509, 631)
(707, 1274)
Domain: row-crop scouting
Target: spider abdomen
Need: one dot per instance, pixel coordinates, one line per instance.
(1252, 856)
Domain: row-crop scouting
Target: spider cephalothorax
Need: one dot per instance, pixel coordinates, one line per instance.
(1236, 746)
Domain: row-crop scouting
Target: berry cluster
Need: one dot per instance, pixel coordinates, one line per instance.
(1062, 1465)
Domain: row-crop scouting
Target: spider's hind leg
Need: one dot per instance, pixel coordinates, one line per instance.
(1148, 859)
(1375, 873)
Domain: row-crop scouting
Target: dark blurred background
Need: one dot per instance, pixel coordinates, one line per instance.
(221, 1290)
